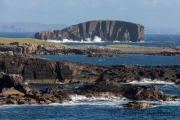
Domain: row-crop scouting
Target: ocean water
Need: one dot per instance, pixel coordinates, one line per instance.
(126, 59)
(150, 40)
(82, 108)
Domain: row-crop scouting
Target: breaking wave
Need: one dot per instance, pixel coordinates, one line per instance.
(87, 40)
(149, 81)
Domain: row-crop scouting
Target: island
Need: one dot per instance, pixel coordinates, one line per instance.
(107, 30)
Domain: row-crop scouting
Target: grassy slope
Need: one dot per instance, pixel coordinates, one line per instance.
(28, 40)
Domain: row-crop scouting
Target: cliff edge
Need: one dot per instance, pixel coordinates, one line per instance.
(107, 30)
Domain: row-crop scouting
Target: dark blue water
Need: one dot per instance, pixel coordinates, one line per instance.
(150, 40)
(126, 59)
(91, 112)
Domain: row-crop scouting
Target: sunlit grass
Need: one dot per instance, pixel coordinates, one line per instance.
(29, 40)
(88, 46)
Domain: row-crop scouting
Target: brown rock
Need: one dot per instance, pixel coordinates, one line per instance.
(10, 91)
(149, 93)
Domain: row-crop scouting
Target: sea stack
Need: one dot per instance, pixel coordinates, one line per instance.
(107, 30)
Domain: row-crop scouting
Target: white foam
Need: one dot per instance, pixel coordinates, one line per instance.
(97, 39)
(25, 83)
(101, 101)
(149, 81)
(87, 40)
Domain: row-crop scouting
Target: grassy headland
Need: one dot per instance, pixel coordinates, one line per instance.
(28, 40)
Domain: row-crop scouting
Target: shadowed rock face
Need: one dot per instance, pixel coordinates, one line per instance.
(37, 70)
(107, 30)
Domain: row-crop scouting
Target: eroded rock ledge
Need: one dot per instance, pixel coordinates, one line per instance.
(107, 30)
(93, 51)
(37, 70)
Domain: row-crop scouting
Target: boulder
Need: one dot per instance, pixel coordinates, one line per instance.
(149, 93)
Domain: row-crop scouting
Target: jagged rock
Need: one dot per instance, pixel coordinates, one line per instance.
(61, 94)
(100, 89)
(10, 80)
(107, 30)
(149, 93)
(137, 105)
(133, 92)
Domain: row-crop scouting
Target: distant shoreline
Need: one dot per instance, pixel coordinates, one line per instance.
(34, 46)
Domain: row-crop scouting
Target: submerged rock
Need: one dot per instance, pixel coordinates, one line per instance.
(137, 105)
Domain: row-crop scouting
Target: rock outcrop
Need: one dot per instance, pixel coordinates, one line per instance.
(38, 70)
(8, 80)
(93, 51)
(107, 30)
(132, 92)
(26, 95)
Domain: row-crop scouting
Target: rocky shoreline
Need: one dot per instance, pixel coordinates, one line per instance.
(18, 93)
(101, 81)
(92, 51)
(38, 70)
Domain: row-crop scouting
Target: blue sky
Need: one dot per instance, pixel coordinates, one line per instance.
(151, 13)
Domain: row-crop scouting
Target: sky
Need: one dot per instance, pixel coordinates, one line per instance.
(151, 13)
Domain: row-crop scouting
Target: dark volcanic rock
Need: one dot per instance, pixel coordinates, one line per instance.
(37, 70)
(107, 30)
(9, 80)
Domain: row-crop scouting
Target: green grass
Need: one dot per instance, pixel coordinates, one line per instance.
(29, 40)
(122, 46)
(88, 46)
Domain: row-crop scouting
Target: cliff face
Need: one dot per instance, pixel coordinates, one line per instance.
(38, 70)
(106, 30)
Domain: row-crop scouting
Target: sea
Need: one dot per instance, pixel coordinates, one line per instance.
(83, 108)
